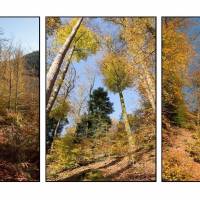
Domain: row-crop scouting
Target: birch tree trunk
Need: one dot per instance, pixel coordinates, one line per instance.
(55, 92)
(149, 86)
(127, 127)
(56, 65)
(56, 129)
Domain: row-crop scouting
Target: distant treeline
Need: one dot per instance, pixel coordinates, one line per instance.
(32, 61)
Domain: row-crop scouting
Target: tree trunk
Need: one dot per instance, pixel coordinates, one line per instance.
(56, 129)
(56, 65)
(17, 84)
(55, 92)
(149, 86)
(124, 113)
(10, 88)
(54, 135)
(127, 127)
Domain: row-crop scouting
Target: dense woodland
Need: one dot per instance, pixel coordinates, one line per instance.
(181, 99)
(83, 141)
(19, 113)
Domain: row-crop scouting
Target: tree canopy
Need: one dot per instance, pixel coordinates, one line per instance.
(117, 72)
(85, 41)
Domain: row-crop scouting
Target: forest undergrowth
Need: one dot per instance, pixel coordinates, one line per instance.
(103, 157)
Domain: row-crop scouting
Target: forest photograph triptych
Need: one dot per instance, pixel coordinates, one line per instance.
(101, 99)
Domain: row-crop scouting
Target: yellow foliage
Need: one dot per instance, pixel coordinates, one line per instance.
(117, 72)
(52, 23)
(177, 52)
(173, 168)
(139, 35)
(85, 41)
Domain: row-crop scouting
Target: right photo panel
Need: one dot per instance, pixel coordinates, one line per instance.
(180, 99)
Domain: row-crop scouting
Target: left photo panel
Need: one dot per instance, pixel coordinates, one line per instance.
(19, 99)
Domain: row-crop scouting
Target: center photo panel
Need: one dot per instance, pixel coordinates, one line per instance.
(101, 99)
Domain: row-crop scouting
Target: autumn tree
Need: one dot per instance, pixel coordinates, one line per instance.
(118, 75)
(59, 84)
(56, 65)
(85, 43)
(195, 79)
(176, 56)
(19, 65)
(138, 36)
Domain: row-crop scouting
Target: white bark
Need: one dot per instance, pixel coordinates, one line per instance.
(148, 84)
(56, 65)
(58, 86)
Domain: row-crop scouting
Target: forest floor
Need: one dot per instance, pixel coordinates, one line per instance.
(113, 169)
(178, 153)
(12, 166)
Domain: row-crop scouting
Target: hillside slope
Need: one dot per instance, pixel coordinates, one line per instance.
(112, 169)
(179, 163)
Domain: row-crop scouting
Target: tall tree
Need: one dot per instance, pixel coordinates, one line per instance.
(56, 65)
(139, 37)
(176, 56)
(19, 65)
(118, 75)
(58, 86)
(85, 43)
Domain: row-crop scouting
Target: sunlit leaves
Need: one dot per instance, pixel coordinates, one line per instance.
(117, 72)
(60, 111)
(176, 56)
(177, 53)
(139, 34)
(86, 41)
(52, 24)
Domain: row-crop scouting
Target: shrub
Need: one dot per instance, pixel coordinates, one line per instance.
(93, 175)
(15, 118)
(63, 154)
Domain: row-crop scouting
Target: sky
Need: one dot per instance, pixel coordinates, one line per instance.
(23, 31)
(195, 30)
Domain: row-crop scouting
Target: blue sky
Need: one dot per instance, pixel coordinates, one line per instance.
(23, 31)
(131, 96)
(193, 31)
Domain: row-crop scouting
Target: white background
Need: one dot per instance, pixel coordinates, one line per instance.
(96, 191)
